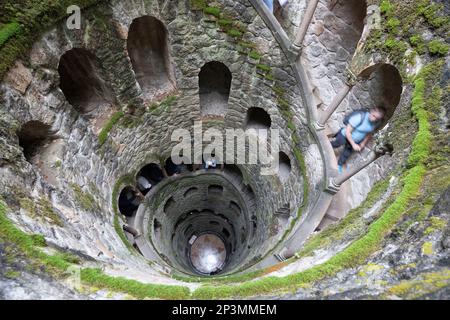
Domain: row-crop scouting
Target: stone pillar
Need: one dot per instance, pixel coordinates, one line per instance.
(336, 182)
(342, 94)
(301, 33)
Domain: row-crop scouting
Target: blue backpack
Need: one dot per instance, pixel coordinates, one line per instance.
(362, 113)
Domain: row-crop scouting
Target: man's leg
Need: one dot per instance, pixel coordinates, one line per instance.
(346, 153)
(339, 140)
(269, 4)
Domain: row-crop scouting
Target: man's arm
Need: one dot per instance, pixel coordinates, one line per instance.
(348, 134)
(366, 141)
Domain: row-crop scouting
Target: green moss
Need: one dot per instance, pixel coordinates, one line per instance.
(225, 23)
(84, 199)
(432, 12)
(436, 224)
(199, 4)
(422, 141)
(25, 244)
(269, 77)
(335, 232)
(427, 248)
(386, 7)
(353, 255)
(254, 55)
(7, 31)
(246, 44)
(58, 164)
(165, 105)
(418, 43)
(137, 289)
(392, 25)
(439, 48)
(57, 265)
(42, 209)
(103, 135)
(38, 240)
(11, 274)
(234, 33)
(264, 67)
(34, 18)
(428, 283)
(396, 45)
(214, 11)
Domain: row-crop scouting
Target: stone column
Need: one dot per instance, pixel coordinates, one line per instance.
(378, 151)
(342, 94)
(301, 33)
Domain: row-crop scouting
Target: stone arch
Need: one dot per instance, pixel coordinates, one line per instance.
(81, 81)
(33, 135)
(215, 189)
(169, 203)
(128, 202)
(257, 118)
(284, 167)
(189, 192)
(385, 86)
(214, 88)
(346, 18)
(148, 49)
(152, 173)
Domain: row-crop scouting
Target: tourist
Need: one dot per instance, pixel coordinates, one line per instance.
(360, 126)
(211, 162)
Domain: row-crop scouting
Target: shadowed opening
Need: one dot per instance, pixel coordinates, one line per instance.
(257, 118)
(214, 83)
(81, 81)
(284, 168)
(147, 46)
(128, 201)
(148, 177)
(33, 135)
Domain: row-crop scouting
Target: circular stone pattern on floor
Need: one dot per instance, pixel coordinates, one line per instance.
(208, 253)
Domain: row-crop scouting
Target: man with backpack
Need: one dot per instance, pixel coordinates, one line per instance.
(359, 126)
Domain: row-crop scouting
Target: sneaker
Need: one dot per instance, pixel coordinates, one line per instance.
(339, 168)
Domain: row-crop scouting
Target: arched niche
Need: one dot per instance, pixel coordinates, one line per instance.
(81, 81)
(148, 49)
(257, 118)
(33, 136)
(385, 86)
(214, 88)
(128, 201)
(346, 19)
(284, 166)
(148, 177)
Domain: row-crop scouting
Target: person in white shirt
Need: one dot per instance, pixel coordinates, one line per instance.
(143, 183)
